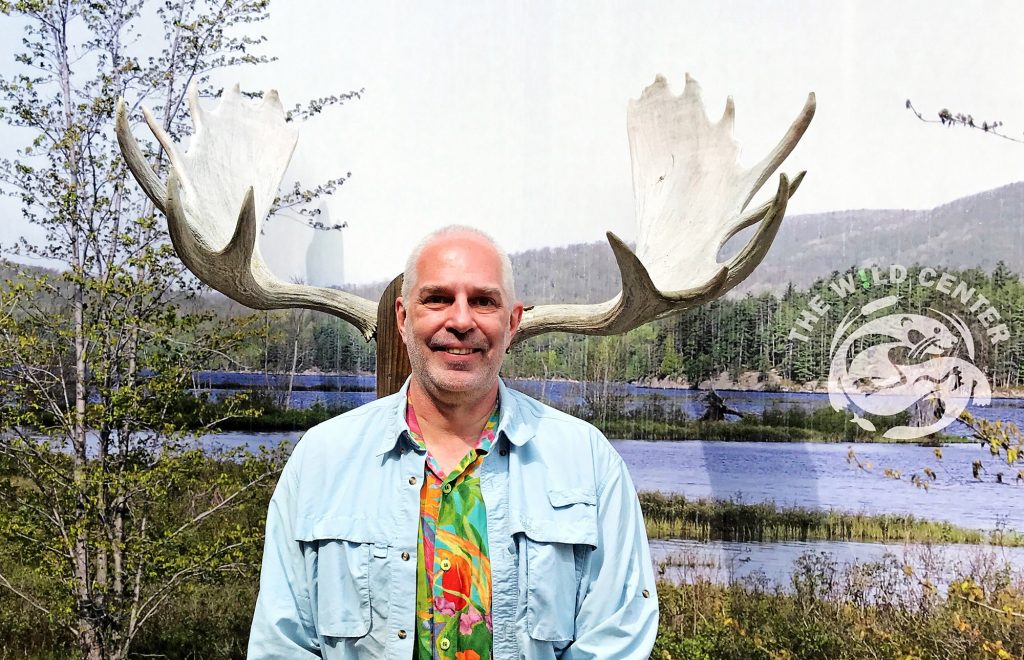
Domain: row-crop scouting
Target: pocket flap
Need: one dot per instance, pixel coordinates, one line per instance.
(559, 498)
(356, 529)
(571, 518)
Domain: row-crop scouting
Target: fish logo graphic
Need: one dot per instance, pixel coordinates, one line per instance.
(884, 363)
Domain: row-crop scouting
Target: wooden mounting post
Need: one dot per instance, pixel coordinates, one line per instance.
(392, 359)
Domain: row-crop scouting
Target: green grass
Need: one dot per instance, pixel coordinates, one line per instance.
(824, 611)
(675, 516)
(204, 622)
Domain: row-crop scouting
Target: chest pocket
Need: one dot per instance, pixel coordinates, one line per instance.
(552, 550)
(339, 551)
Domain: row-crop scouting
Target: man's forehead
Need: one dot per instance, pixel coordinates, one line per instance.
(448, 256)
(461, 243)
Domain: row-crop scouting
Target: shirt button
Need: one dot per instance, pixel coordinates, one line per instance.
(445, 564)
(646, 594)
(405, 556)
(401, 634)
(447, 488)
(503, 452)
(412, 480)
(445, 644)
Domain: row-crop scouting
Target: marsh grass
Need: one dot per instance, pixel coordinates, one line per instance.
(825, 610)
(773, 424)
(656, 418)
(676, 516)
(881, 609)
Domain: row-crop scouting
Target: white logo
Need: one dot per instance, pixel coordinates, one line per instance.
(885, 363)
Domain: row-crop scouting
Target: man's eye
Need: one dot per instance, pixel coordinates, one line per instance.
(486, 302)
(434, 300)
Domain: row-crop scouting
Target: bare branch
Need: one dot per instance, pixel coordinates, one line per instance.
(223, 504)
(947, 118)
(4, 582)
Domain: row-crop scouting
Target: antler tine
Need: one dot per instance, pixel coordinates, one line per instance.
(638, 302)
(753, 252)
(690, 197)
(771, 162)
(758, 214)
(136, 161)
(250, 282)
(219, 191)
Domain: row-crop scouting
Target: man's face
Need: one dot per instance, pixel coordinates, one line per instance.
(458, 319)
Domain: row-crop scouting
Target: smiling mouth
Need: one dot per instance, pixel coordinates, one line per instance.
(458, 351)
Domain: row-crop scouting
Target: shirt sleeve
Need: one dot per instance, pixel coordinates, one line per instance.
(282, 625)
(618, 616)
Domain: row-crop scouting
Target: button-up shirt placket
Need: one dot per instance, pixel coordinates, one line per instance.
(504, 559)
(401, 636)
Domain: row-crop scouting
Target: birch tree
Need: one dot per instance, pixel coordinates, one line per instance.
(106, 498)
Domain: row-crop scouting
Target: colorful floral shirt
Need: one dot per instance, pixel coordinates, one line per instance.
(453, 572)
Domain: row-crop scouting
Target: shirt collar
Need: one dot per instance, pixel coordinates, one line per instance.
(511, 425)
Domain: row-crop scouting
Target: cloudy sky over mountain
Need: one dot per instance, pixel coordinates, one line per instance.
(512, 117)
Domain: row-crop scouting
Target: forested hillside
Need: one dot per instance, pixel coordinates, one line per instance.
(738, 334)
(978, 237)
(752, 333)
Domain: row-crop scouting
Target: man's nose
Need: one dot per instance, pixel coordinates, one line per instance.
(460, 316)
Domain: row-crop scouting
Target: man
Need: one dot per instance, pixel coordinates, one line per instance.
(457, 518)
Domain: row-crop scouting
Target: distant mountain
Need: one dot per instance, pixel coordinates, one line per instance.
(13, 269)
(584, 272)
(975, 231)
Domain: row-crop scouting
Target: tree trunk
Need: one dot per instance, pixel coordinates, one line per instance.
(295, 359)
(717, 408)
(88, 635)
(89, 641)
(926, 412)
(392, 359)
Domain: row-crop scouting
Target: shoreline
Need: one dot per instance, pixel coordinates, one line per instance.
(676, 516)
(749, 381)
(721, 384)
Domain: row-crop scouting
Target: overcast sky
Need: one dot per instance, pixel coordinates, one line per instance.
(512, 117)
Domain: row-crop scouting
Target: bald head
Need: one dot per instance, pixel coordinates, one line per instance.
(453, 231)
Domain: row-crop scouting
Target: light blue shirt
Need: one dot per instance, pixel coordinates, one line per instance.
(570, 567)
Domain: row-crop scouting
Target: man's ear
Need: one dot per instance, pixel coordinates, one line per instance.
(400, 316)
(514, 320)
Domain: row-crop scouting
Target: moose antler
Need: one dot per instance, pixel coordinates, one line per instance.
(690, 196)
(690, 192)
(219, 192)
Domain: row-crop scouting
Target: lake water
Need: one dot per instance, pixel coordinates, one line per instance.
(790, 474)
(819, 476)
(801, 474)
(355, 390)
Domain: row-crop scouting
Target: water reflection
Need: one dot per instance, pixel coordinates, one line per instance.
(794, 474)
(818, 475)
(725, 561)
(790, 468)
